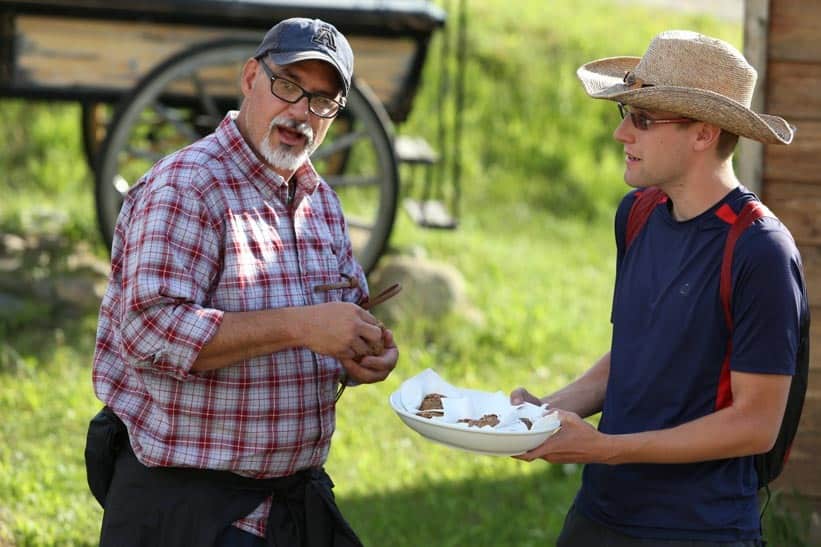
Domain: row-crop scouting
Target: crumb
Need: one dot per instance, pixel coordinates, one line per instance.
(430, 414)
(488, 419)
(527, 422)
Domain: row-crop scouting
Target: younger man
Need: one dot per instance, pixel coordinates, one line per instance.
(685, 401)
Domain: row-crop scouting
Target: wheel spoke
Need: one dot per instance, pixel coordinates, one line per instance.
(207, 121)
(171, 116)
(143, 154)
(341, 143)
(349, 181)
(207, 101)
(354, 222)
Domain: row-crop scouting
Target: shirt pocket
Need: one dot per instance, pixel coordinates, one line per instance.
(318, 260)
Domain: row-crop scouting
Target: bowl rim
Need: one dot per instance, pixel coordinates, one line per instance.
(464, 428)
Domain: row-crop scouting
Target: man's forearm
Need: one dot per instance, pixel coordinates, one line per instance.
(584, 396)
(748, 426)
(243, 335)
(340, 329)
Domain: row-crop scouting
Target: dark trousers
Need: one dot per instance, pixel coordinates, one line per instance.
(234, 537)
(181, 507)
(580, 531)
(170, 507)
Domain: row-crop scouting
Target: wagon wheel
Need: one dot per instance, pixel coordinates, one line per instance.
(186, 96)
(94, 118)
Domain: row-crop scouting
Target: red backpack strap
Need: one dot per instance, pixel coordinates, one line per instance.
(752, 211)
(645, 202)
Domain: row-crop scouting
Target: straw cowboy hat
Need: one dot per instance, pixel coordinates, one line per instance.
(690, 74)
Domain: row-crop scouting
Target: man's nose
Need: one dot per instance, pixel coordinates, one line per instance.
(624, 131)
(301, 108)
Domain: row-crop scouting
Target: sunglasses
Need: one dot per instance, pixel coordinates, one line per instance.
(642, 121)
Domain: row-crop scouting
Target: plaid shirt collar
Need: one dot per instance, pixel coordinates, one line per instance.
(268, 181)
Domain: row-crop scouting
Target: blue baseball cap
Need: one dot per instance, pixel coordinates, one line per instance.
(300, 39)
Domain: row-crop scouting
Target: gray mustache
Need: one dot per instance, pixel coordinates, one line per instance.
(302, 128)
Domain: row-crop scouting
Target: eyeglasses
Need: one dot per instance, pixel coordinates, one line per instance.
(642, 121)
(292, 92)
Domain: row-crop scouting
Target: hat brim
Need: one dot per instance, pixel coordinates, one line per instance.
(283, 59)
(604, 79)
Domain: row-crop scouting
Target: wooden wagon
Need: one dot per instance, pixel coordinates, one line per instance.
(154, 75)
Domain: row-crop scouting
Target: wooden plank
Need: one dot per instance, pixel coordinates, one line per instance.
(794, 91)
(751, 153)
(795, 26)
(756, 17)
(807, 444)
(61, 52)
(807, 438)
(798, 205)
(64, 53)
(815, 335)
(811, 257)
(799, 161)
(803, 455)
(811, 416)
(801, 471)
(384, 63)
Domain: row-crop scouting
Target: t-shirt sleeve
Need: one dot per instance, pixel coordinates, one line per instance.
(620, 224)
(620, 229)
(768, 300)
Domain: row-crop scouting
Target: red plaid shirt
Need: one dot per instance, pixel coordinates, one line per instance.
(205, 231)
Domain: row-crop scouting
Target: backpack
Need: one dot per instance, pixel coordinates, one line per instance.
(769, 464)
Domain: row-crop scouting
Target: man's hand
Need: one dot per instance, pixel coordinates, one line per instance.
(340, 329)
(374, 368)
(521, 395)
(576, 442)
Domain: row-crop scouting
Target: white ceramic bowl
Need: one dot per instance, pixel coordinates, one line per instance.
(480, 440)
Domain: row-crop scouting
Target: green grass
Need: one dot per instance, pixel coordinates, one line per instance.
(541, 177)
(531, 134)
(46, 407)
(43, 173)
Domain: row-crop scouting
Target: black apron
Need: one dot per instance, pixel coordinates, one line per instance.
(181, 507)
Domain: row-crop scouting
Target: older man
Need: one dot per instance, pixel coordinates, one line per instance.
(219, 356)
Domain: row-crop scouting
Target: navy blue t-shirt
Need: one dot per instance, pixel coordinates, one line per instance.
(669, 341)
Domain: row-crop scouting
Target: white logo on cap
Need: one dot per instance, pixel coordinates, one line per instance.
(324, 36)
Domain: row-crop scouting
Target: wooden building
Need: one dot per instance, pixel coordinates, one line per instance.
(783, 40)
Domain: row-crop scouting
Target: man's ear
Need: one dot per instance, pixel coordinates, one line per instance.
(706, 136)
(249, 74)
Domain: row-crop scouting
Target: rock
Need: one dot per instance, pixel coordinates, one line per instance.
(12, 244)
(9, 264)
(82, 260)
(46, 269)
(78, 291)
(430, 289)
